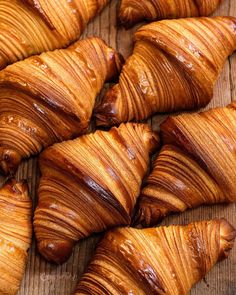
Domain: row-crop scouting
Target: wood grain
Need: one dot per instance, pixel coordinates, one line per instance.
(42, 278)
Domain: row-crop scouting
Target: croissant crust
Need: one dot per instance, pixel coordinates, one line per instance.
(163, 260)
(29, 27)
(174, 67)
(15, 234)
(196, 165)
(133, 11)
(49, 98)
(89, 185)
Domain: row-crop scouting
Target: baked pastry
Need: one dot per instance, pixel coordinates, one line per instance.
(29, 27)
(134, 11)
(88, 185)
(174, 66)
(196, 166)
(50, 98)
(15, 234)
(164, 260)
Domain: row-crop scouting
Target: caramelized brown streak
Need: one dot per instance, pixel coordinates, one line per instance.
(163, 260)
(196, 166)
(49, 98)
(174, 66)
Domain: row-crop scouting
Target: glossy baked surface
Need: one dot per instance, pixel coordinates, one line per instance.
(62, 280)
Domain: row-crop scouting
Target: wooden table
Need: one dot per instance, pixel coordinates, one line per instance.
(42, 278)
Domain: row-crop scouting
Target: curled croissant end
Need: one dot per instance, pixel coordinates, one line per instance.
(227, 237)
(128, 16)
(196, 165)
(115, 63)
(15, 234)
(57, 251)
(89, 185)
(163, 260)
(133, 12)
(9, 161)
(174, 67)
(106, 112)
(18, 189)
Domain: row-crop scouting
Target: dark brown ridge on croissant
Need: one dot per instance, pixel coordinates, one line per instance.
(196, 166)
(29, 27)
(50, 98)
(174, 67)
(133, 11)
(90, 184)
(163, 260)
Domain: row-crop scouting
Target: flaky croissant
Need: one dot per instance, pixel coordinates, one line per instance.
(29, 27)
(88, 185)
(49, 98)
(197, 165)
(164, 260)
(15, 234)
(134, 11)
(174, 66)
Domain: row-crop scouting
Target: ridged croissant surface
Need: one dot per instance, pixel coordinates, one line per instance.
(15, 235)
(49, 98)
(90, 184)
(134, 11)
(164, 260)
(174, 66)
(196, 166)
(29, 27)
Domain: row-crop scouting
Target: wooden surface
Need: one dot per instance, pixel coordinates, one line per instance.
(42, 278)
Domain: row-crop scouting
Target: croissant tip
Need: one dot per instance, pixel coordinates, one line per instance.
(115, 63)
(15, 188)
(105, 113)
(144, 217)
(56, 251)
(129, 17)
(9, 161)
(227, 238)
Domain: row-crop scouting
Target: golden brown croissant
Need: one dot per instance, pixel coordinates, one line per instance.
(196, 166)
(134, 11)
(49, 98)
(164, 260)
(174, 67)
(29, 27)
(88, 185)
(15, 234)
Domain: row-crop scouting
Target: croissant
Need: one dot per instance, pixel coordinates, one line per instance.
(29, 27)
(134, 11)
(174, 66)
(164, 260)
(15, 234)
(195, 166)
(49, 98)
(88, 185)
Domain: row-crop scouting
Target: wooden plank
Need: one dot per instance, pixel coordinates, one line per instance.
(42, 278)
